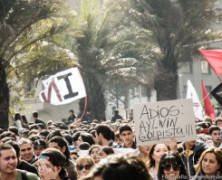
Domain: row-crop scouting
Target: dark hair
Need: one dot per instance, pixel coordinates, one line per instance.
(171, 158)
(84, 146)
(107, 149)
(13, 129)
(218, 119)
(57, 158)
(68, 138)
(87, 137)
(213, 128)
(124, 167)
(53, 134)
(76, 135)
(35, 114)
(17, 116)
(44, 133)
(33, 126)
(125, 127)
(62, 143)
(151, 160)
(41, 125)
(24, 119)
(105, 130)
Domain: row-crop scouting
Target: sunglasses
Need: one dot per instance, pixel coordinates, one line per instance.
(81, 167)
(167, 167)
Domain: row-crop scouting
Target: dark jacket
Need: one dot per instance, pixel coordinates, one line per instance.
(192, 160)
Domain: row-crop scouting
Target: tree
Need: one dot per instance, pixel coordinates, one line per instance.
(175, 25)
(18, 31)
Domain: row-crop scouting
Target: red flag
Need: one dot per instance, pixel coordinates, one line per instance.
(209, 110)
(214, 58)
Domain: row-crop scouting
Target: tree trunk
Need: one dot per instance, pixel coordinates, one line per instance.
(4, 98)
(95, 95)
(166, 85)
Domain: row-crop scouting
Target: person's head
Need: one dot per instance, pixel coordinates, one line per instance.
(145, 149)
(85, 137)
(61, 144)
(156, 152)
(39, 146)
(214, 132)
(105, 151)
(74, 155)
(71, 112)
(24, 119)
(171, 167)
(43, 134)
(127, 167)
(210, 162)
(53, 160)
(126, 134)
(26, 149)
(13, 129)
(218, 122)
(103, 132)
(53, 134)
(83, 165)
(94, 152)
(35, 115)
(17, 116)
(116, 112)
(8, 159)
(118, 139)
(75, 138)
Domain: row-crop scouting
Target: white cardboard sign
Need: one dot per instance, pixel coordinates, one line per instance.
(160, 121)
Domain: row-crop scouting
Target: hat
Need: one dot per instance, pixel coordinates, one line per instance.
(40, 142)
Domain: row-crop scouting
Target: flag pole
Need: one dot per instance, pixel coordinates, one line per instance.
(84, 110)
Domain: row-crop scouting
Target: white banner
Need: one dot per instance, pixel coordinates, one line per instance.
(158, 122)
(197, 107)
(63, 87)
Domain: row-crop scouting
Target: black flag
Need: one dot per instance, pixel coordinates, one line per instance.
(217, 93)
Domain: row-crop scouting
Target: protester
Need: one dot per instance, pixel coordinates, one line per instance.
(8, 164)
(83, 165)
(105, 151)
(127, 136)
(116, 116)
(51, 165)
(209, 165)
(171, 167)
(35, 116)
(71, 117)
(27, 151)
(156, 152)
(104, 135)
(61, 144)
(94, 152)
(214, 132)
(191, 154)
(18, 120)
(127, 167)
(39, 145)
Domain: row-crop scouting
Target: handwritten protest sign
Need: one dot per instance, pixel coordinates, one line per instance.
(159, 121)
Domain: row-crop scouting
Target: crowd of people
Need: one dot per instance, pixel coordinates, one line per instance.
(106, 150)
